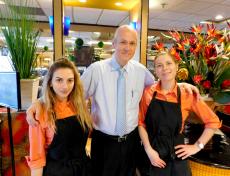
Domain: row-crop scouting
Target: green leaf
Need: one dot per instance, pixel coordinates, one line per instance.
(224, 76)
(21, 35)
(166, 36)
(222, 97)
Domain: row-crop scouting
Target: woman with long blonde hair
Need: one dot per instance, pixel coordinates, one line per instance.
(57, 144)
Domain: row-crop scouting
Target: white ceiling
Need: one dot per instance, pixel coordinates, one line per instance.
(176, 14)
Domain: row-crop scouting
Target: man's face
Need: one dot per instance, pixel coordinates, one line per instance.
(125, 45)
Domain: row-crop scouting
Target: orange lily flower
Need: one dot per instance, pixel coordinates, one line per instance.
(211, 30)
(159, 46)
(198, 47)
(196, 29)
(175, 35)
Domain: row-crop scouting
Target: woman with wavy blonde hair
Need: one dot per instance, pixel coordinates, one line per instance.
(57, 144)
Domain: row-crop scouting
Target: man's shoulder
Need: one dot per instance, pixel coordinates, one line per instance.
(101, 63)
(137, 65)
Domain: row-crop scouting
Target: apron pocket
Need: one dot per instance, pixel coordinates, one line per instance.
(162, 145)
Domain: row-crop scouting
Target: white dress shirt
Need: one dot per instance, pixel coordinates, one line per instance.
(100, 83)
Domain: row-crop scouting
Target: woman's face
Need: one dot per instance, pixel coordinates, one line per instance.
(165, 68)
(63, 83)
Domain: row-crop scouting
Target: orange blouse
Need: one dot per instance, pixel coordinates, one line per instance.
(41, 136)
(188, 104)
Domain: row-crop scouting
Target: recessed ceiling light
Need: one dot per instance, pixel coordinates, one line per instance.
(1, 2)
(219, 17)
(153, 3)
(118, 4)
(205, 22)
(82, 0)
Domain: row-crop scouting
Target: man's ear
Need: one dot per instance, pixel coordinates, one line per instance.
(113, 43)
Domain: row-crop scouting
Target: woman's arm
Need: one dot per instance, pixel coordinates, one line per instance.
(205, 136)
(37, 172)
(184, 151)
(152, 154)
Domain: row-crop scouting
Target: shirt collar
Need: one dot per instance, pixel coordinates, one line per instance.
(173, 91)
(115, 66)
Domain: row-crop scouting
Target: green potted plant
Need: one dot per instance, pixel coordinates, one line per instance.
(21, 37)
(79, 43)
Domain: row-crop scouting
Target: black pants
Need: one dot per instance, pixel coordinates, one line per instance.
(173, 168)
(112, 157)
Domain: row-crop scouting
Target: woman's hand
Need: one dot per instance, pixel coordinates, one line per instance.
(184, 151)
(155, 158)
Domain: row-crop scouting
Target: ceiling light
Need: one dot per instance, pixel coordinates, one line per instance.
(205, 22)
(1, 2)
(69, 41)
(118, 4)
(219, 17)
(50, 40)
(153, 3)
(82, 0)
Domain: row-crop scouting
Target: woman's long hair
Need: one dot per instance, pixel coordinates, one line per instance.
(76, 97)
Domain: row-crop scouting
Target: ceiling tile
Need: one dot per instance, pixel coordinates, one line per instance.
(86, 15)
(191, 6)
(210, 1)
(215, 10)
(226, 2)
(112, 17)
(41, 18)
(125, 21)
(47, 11)
(172, 15)
(68, 11)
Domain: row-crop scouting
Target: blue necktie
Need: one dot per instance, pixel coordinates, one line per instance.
(121, 104)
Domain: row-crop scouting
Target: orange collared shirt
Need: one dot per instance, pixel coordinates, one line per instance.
(41, 136)
(188, 104)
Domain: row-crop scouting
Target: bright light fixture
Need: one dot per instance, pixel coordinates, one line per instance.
(219, 17)
(69, 41)
(118, 4)
(94, 42)
(153, 3)
(50, 40)
(82, 0)
(205, 22)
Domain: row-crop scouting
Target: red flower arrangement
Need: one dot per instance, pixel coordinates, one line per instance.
(205, 59)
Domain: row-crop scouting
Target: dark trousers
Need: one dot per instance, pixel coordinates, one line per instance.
(112, 156)
(173, 168)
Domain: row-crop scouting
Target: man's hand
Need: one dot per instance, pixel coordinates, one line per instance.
(88, 147)
(190, 89)
(33, 113)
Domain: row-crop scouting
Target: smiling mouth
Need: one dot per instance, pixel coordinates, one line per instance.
(64, 92)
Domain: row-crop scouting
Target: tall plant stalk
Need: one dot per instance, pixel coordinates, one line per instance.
(18, 28)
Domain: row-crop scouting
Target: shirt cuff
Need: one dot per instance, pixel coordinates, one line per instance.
(35, 164)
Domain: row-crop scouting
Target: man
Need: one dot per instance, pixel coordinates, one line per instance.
(116, 87)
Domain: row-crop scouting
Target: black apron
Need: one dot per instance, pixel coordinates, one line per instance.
(66, 154)
(163, 124)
